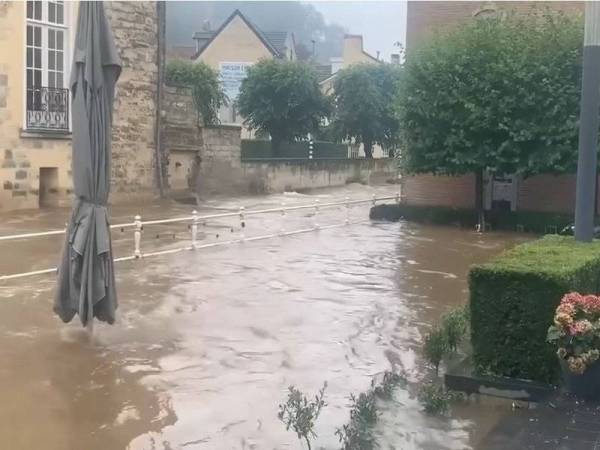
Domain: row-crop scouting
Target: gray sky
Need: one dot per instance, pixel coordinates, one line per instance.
(380, 22)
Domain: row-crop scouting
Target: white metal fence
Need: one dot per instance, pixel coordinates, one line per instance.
(194, 220)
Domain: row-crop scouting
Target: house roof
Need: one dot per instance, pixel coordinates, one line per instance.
(323, 71)
(274, 41)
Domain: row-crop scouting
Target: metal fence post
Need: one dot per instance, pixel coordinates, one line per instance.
(137, 236)
(316, 222)
(194, 229)
(242, 224)
(282, 231)
(374, 200)
(347, 221)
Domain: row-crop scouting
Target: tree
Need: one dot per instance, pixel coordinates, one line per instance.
(364, 104)
(499, 94)
(283, 99)
(207, 92)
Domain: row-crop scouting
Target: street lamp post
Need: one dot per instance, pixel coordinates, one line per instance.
(588, 127)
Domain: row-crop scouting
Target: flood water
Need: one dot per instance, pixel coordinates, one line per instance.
(207, 342)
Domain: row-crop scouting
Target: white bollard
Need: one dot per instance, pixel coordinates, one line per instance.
(242, 224)
(315, 219)
(397, 198)
(194, 229)
(374, 200)
(347, 221)
(137, 236)
(282, 230)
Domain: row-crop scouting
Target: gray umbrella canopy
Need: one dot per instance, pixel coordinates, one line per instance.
(86, 281)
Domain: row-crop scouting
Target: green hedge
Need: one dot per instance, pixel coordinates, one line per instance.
(528, 221)
(261, 149)
(513, 298)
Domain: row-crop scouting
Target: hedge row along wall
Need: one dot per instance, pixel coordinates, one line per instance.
(528, 221)
(261, 149)
(513, 298)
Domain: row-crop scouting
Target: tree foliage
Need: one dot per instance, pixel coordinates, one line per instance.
(282, 98)
(499, 93)
(364, 104)
(207, 92)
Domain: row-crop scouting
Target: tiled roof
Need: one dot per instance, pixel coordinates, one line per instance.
(323, 71)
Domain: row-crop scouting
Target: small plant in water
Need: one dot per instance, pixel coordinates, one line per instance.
(388, 383)
(300, 414)
(455, 325)
(358, 433)
(435, 348)
(435, 399)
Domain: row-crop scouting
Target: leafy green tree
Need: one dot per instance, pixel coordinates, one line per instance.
(499, 94)
(364, 105)
(282, 98)
(207, 92)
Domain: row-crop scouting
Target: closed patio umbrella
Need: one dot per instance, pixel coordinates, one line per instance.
(86, 281)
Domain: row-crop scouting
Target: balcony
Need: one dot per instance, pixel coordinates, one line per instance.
(47, 109)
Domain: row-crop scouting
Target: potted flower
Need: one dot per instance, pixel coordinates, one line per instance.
(576, 334)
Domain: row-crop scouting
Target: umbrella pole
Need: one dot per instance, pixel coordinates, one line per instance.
(89, 326)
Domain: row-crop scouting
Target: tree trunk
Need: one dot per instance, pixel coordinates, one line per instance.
(479, 201)
(368, 145)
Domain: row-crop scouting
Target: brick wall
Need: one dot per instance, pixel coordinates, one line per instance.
(434, 190)
(425, 17)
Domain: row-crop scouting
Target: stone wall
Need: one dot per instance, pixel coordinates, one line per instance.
(182, 139)
(280, 176)
(35, 167)
(135, 29)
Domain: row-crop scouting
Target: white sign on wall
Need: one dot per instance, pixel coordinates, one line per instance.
(232, 74)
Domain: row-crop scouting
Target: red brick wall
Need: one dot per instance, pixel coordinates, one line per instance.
(548, 193)
(425, 17)
(541, 193)
(434, 190)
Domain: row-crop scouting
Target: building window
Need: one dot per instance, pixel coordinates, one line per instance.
(46, 95)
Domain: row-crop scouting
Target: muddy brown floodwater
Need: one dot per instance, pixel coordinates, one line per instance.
(207, 342)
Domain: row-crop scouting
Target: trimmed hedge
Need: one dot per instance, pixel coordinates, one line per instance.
(261, 149)
(530, 221)
(513, 298)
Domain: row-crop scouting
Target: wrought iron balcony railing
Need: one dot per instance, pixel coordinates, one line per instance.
(47, 109)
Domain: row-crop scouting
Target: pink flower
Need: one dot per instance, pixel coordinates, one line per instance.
(580, 327)
(591, 304)
(572, 298)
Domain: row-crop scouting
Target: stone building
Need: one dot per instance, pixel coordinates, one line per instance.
(36, 41)
(542, 193)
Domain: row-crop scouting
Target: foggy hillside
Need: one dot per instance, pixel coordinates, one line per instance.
(184, 18)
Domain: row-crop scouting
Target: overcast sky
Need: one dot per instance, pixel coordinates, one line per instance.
(380, 22)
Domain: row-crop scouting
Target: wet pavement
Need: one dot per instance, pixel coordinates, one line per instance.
(207, 342)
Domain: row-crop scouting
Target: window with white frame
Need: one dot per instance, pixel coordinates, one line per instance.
(46, 95)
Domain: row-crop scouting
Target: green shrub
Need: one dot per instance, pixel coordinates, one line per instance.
(435, 399)
(513, 298)
(207, 92)
(435, 347)
(358, 433)
(300, 413)
(454, 326)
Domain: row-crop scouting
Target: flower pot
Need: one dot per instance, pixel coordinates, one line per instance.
(586, 385)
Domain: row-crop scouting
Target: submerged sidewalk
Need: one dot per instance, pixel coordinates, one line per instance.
(562, 424)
